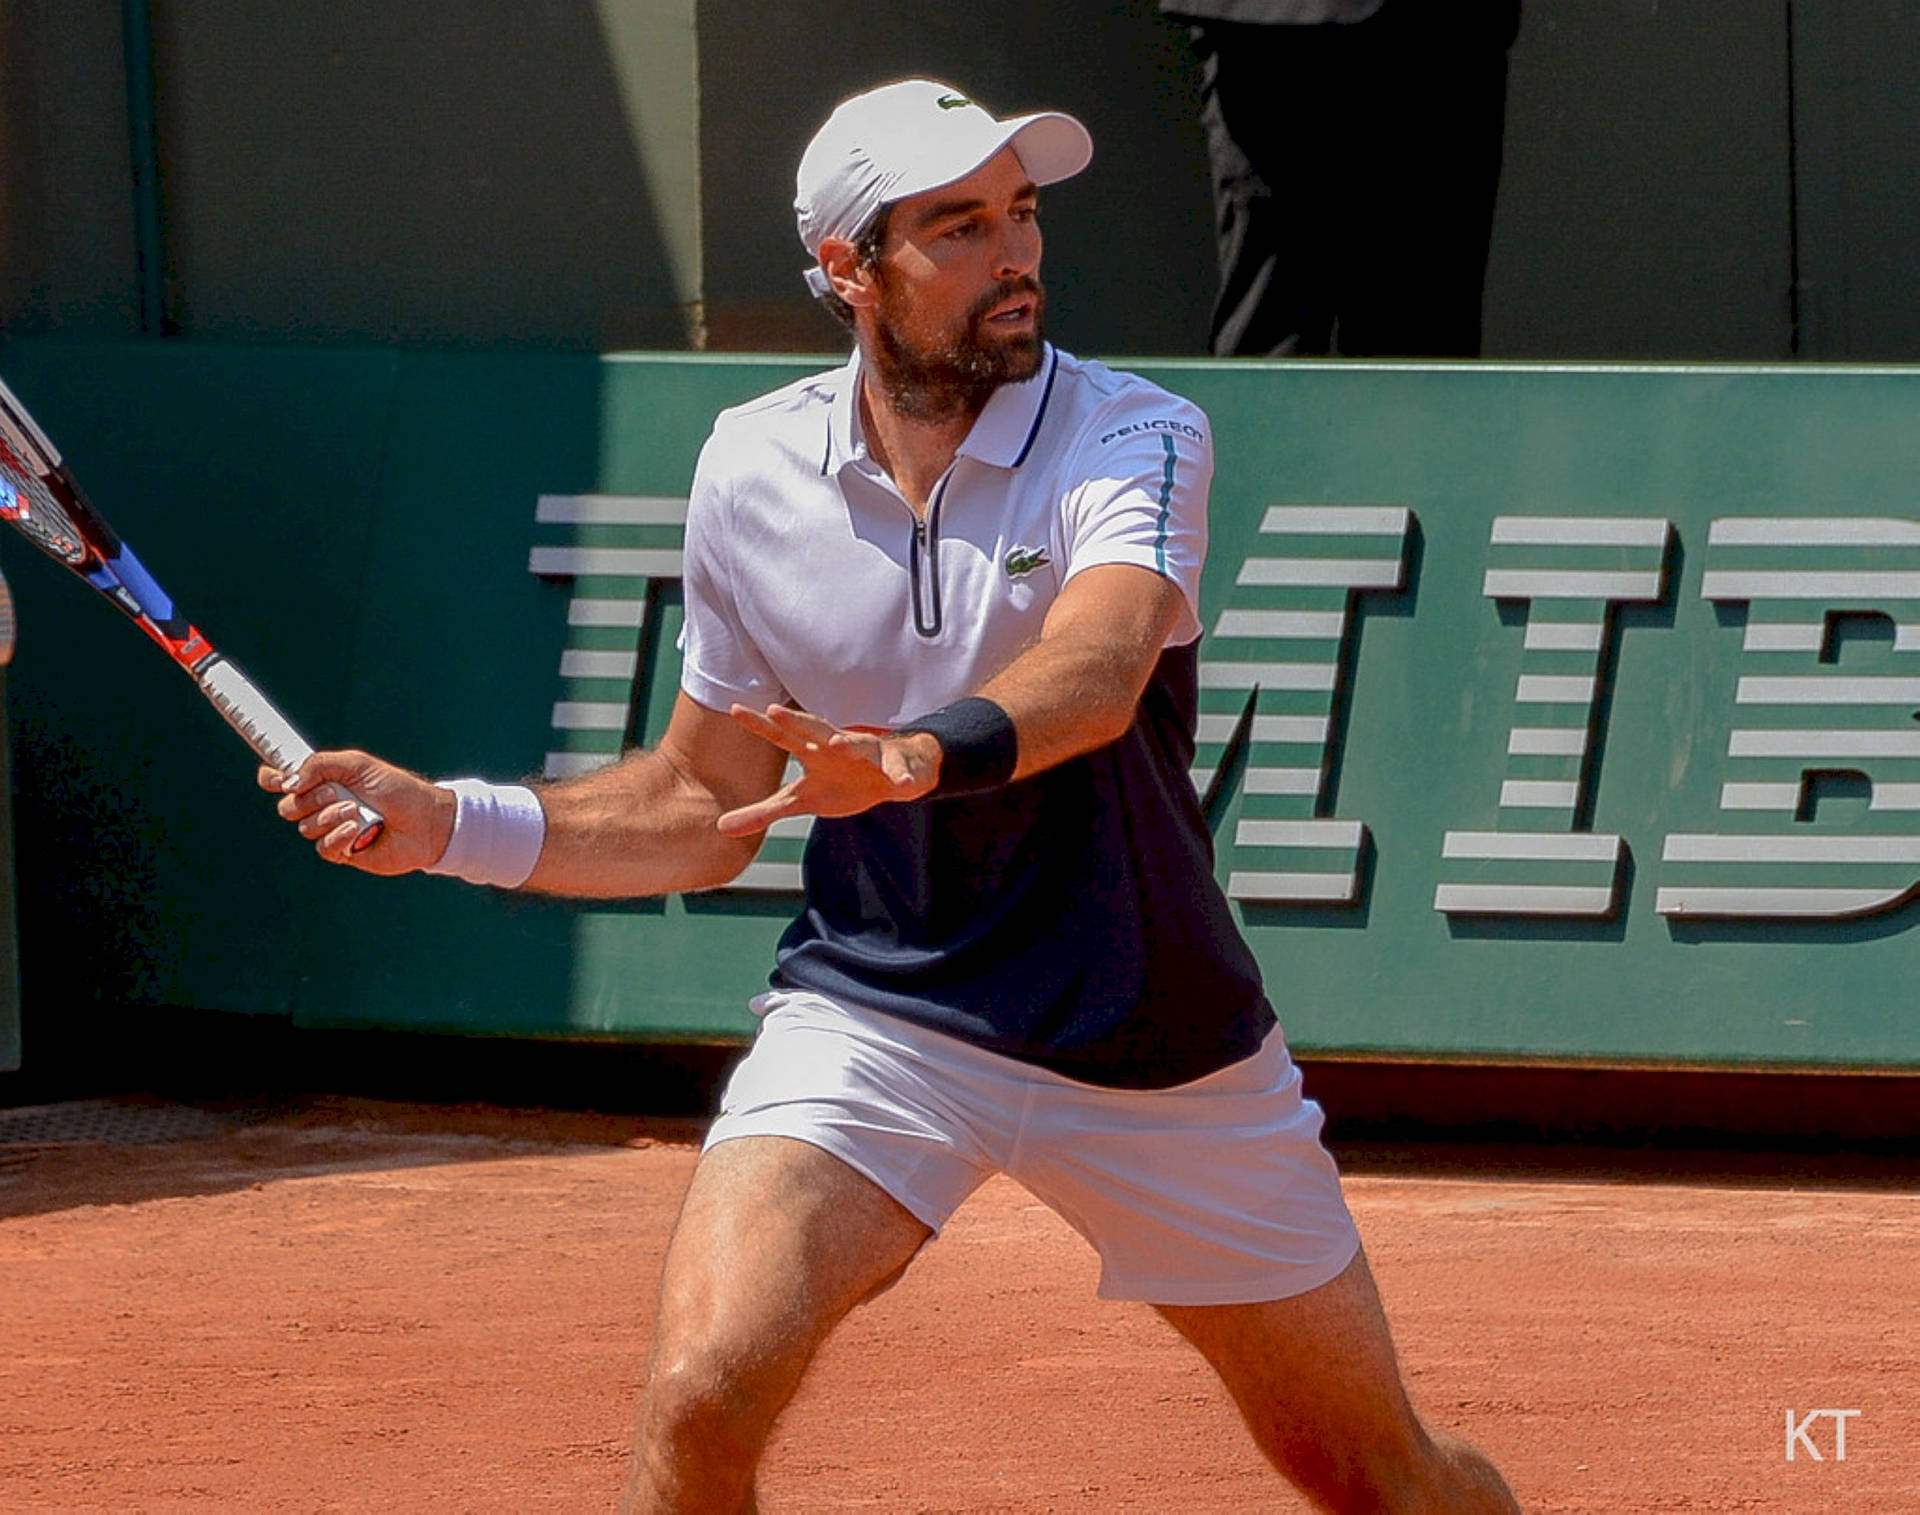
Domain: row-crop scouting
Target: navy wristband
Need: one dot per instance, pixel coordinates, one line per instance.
(978, 746)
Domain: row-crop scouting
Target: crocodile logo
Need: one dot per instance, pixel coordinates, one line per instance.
(952, 102)
(1024, 560)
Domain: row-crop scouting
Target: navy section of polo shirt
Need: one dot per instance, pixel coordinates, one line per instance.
(1070, 919)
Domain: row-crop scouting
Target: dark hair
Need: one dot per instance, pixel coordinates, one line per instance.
(866, 254)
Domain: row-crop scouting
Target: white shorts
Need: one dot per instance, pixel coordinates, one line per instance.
(1212, 1192)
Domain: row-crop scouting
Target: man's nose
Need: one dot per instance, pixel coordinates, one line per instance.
(1018, 250)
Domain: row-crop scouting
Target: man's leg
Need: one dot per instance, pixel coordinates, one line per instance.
(777, 1240)
(1316, 1378)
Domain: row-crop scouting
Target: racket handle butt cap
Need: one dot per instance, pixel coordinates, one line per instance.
(372, 825)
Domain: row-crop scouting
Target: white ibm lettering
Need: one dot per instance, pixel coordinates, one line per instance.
(615, 548)
(1269, 684)
(1571, 572)
(1809, 723)
(1824, 704)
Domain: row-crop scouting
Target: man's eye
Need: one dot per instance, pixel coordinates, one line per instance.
(964, 230)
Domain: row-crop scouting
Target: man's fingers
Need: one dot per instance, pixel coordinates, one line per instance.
(281, 781)
(788, 729)
(751, 820)
(802, 723)
(300, 805)
(765, 729)
(336, 768)
(320, 811)
(336, 843)
(843, 773)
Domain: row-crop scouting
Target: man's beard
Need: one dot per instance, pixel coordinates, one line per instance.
(959, 373)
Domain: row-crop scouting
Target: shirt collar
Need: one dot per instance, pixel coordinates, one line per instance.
(845, 441)
(1002, 435)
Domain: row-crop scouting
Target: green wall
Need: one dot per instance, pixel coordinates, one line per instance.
(358, 528)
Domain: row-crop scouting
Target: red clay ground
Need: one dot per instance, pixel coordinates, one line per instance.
(368, 1307)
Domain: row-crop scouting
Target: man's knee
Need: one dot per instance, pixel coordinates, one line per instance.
(706, 1396)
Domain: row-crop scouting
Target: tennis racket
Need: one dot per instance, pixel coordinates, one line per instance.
(39, 498)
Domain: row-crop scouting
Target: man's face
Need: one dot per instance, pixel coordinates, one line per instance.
(958, 303)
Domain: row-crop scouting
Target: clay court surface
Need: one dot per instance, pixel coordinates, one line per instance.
(357, 1306)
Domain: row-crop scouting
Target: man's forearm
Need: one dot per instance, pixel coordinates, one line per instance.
(1077, 688)
(641, 827)
(1064, 698)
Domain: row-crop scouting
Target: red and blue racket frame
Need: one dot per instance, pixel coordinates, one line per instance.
(40, 498)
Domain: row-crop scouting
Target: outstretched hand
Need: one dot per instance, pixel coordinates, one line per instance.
(842, 772)
(319, 800)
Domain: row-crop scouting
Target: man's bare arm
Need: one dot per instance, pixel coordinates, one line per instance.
(1074, 689)
(651, 830)
(1078, 686)
(644, 826)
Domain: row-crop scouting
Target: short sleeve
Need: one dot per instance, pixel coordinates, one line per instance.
(1145, 470)
(719, 661)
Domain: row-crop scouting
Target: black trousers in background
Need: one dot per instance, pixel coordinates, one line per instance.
(1354, 169)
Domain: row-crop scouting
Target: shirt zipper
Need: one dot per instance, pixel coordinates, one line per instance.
(925, 549)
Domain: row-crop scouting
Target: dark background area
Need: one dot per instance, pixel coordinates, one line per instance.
(1685, 179)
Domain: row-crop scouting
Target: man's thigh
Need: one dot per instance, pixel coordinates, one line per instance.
(777, 1240)
(1314, 1374)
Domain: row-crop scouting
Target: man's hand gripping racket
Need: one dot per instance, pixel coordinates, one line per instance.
(39, 498)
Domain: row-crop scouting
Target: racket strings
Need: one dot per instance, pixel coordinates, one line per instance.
(26, 502)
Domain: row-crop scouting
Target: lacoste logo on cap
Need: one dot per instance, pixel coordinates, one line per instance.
(952, 102)
(1024, 560)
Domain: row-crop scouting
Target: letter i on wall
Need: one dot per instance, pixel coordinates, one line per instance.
(1571, 572)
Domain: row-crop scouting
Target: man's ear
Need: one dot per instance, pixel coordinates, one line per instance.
(850, 281)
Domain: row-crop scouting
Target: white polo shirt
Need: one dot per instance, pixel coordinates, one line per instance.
(1071, 918)
(810, 581)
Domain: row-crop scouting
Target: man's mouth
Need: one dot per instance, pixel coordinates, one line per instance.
(1016, 310)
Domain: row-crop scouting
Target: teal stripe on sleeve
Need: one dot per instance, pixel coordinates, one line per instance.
(1166, 506)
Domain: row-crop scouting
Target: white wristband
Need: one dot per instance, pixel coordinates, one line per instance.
(498, 831)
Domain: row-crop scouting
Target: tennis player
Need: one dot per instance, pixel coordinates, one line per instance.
(957, 581)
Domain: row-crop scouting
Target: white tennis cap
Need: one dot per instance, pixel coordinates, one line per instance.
(906, 138)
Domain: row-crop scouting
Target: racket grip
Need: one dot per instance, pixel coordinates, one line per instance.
(269, 733)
